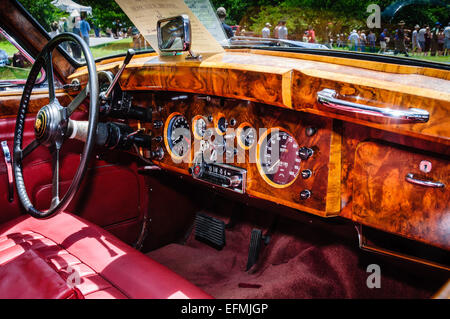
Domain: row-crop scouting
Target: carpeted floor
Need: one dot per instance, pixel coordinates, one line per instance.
(299, 262)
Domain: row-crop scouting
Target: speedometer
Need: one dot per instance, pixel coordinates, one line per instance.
(278, 160)
(177, 136)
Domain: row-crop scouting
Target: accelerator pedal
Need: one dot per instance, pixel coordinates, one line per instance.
(256, 239)
(210, 230)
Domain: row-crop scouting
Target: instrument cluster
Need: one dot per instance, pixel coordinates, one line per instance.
(247, 147)
(217, 139)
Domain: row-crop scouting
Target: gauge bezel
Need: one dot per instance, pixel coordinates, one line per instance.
(194, 126)
(166, 137)
(240, 130)
(216, 123)
(258, 158)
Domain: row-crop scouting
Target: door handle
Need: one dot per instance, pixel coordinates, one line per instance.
(413, 180)
(9, 171)
(328, 98)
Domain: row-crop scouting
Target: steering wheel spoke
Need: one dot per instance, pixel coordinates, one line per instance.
(50, 76)
(30, 148)
(76, 102)
(55, 179)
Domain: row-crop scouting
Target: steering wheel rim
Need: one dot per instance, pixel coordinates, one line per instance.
(51, 126)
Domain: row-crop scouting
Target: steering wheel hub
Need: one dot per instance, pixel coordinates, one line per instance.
(50, 125)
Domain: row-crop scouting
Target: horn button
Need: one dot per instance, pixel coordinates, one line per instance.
(50, 125)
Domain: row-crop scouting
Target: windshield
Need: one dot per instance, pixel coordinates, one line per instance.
(407, 29)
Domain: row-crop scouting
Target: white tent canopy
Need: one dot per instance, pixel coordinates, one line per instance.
(70, 6)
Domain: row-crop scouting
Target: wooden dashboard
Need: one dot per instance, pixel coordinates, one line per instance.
(360, 163)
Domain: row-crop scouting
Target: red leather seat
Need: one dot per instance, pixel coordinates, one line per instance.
(44, 258)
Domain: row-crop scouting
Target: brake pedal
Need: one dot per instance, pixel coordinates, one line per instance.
(210, 230)
(256, 239)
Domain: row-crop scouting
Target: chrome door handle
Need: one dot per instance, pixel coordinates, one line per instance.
(328, 98)
(411, 179)
(8, 162)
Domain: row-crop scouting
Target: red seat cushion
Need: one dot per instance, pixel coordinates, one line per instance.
(74, 258)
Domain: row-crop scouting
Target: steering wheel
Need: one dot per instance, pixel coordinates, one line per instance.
(53, 125)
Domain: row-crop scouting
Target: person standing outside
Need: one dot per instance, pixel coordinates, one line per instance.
(384, 39)
(372, 41)
(222, 14)
(54, 29)
(75, 47)
(434, 38)
(85, 28)
(266, 31)
(311, 34)
(283, 31)
(400, 39)
(421, 38)
(362, 40)
(447, 40)
(353, 38)
(415, 40)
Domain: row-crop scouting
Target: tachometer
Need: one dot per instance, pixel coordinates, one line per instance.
(177, 136)
(278, 160)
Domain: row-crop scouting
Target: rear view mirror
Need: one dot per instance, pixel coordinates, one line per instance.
(174, 34)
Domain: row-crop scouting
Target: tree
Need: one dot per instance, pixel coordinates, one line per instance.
(43, 11)
(105, 12)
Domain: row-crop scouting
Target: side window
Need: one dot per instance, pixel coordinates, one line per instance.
(15, 63)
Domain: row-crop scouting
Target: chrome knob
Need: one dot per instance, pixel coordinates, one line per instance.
(158, 154)
(234, 181)
(305, 153)
(305, 194)
(307, 173)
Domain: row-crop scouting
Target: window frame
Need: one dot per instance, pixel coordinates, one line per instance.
(28, 56)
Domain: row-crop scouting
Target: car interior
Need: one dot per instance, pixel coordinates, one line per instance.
(155, 174)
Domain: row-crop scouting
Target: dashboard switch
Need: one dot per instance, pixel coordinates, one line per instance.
(158, 154)
(310, 131)
(158, 124)
(305, 153)
(305, 194)
(157, 139)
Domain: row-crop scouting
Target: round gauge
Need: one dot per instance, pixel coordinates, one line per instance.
(221, 124)
(105, 78)
(199, 127)
(278, 160)
(177, 136)
(246, 136)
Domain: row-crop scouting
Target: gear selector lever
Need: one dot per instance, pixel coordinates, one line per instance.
(129, 56)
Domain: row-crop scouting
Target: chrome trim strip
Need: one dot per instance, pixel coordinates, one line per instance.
(328, 98)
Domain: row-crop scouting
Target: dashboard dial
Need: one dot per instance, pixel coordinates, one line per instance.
(199, 127)
(221, 124)
(278, 160)
(246, 136)
(177, 135)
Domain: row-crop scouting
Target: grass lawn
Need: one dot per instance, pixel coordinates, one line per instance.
(112, 48)
(11, 73)
(8, 48)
